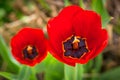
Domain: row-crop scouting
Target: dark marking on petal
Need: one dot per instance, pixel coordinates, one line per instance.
(75, 47)
(84, 49)
(67, 46)
(78, 54)
(82, 43)
(68, 53)
(30, 54)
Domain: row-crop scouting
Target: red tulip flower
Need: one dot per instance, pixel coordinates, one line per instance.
(29, 46)
(76, 35)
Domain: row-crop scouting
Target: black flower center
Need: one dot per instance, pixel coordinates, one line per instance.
(75, 47)
(30, 52)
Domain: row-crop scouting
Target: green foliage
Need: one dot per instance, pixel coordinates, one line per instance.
(98, 63)
(98, 6)
(2, 13)
(111, 74)
(88, 66)
(6, 55)
(5, 7)
(66, 2)
(9, 76)
(44, 64)
(24, 73)
(81, 4)
(54, 69)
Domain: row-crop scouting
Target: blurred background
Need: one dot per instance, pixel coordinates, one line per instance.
(16, 14)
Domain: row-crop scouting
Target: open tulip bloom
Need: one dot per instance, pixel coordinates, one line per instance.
(29, 46)
(76, 35)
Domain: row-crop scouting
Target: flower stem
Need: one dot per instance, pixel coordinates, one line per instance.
(69, 72)
(73, 73)
(79, 72)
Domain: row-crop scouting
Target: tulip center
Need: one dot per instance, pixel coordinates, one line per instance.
(75, 47)
(30, 52)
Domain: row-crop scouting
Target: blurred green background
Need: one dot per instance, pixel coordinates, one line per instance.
(15, 14)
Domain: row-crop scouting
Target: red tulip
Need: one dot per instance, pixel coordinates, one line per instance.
(76, 35)
(29, 46)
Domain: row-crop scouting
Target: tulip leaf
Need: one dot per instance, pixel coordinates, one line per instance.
(6, 55)
(2, 13)
(113, 74)
(24, 73)
(98, 6)
(66, 2)
(43, 65)
(54, 70)
(8, 75)
(50, 66)
(88, 66)
(33, 74)
(98, 63)
(81, 4)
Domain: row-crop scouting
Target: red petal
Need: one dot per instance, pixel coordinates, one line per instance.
(69, 12)
(99, 47)
(87, 24)
(101, 44)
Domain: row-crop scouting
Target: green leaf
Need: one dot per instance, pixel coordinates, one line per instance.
(88, 66)
(24, 73)
(54, 69)
(113, 74)
(66, 2)
(8, 75)
(98, 63)
(6, 55)
(98, 6)
(81, 4)
(44, 64)
(2, 13)
(50, 67)
(33, 74)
